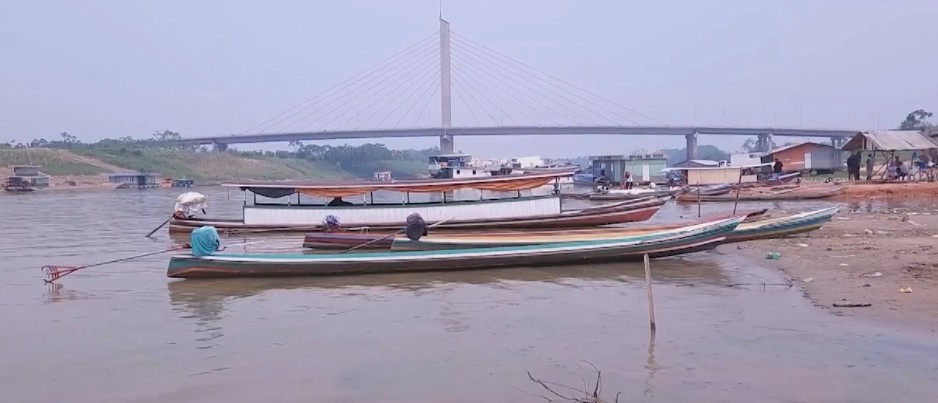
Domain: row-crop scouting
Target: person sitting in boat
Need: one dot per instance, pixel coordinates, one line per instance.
(339, 202)
(629, 182)
(777, 170)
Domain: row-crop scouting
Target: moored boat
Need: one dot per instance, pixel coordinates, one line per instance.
(746, 231)
(378, 240)
(505, 206)
(663, 243)
(764, 229)
(801, 193)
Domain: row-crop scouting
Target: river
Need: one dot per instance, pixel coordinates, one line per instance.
(126, 333)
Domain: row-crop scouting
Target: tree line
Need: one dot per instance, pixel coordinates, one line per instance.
(163, 141)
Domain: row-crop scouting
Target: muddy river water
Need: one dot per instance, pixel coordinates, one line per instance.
(126, 333)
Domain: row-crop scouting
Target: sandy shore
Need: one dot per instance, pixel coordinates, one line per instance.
(866, 256)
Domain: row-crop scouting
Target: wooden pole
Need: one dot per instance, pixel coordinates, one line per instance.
(651, 298)
(698, 198)
(739, 185)
(158, 228)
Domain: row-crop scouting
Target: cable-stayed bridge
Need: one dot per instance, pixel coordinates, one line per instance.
(412, 94)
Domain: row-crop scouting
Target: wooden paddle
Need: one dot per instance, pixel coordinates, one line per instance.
(391, 235)
(158, 228)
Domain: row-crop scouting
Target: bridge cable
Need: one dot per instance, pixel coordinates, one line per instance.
(498, 94)
(522, 76)
(424, 109)
(511, 79)
(499, 54)
(417, 76)
(365, 88)
(430, 84)
(406, 100)
(457, 79)
(384, 92)
(470, 83)
(345, 82)
(357, 85)
(509, 83)
(466, 105)
(383, 80)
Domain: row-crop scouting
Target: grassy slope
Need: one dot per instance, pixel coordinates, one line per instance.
(53, 162)
(203, 167)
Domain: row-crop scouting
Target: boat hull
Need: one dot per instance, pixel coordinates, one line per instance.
(603, 215)
(705, 236)
(345, 240)
(783, 195)
(769, 229)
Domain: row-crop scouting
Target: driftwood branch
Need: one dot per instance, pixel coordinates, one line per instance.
(587, 396)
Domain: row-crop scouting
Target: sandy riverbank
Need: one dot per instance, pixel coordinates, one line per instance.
(904, 189)
(866, 256)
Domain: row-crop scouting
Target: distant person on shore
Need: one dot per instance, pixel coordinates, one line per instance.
(853, 166)
(869, 167)
(777, 170)
(627, 178)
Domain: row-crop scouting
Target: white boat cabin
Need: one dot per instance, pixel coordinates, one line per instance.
(390, 202)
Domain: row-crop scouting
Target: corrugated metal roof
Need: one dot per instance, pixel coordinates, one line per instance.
(891, 140)
(790, 146)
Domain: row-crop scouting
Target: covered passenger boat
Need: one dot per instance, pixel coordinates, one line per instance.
(510, 201)
(657, 244)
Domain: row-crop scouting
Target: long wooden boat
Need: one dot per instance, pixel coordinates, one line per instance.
(806, 193)
(765, 229)
(511, 210)
(663, 243)
(746, 231)
(630, 194)
(378, 240)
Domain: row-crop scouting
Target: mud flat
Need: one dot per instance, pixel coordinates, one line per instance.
(899, 189)
(866, 255)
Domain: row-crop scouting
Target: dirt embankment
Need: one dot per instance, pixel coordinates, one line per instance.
(905, 189)
(888, 259)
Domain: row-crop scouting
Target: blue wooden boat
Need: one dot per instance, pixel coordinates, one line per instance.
(657, 244)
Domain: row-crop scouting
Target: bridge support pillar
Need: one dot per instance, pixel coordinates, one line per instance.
(838, 142)
(219, 147)
(446, 102)
(764, 143)
(691, 145)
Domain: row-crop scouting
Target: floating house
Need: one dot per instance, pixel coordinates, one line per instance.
(135, 180)
(643, 167)
(26, 178)
(807, 156)
(383, 176)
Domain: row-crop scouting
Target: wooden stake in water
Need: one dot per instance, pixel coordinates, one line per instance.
(739, 185)
(651, 297)
(699, 190)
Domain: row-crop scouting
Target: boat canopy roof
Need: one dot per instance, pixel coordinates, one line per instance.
(504, 183)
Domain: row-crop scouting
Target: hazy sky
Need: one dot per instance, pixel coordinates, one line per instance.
(114, 68)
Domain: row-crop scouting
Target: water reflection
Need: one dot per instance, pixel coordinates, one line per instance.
(205, 298)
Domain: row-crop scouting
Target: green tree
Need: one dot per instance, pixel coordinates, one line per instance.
(916, 120)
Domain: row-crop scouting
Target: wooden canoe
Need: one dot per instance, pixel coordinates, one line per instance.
(349, 239)
(631, 196)
(615, 213)
(787, 194)
(765, 229)
(662, 243)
